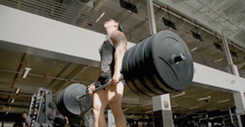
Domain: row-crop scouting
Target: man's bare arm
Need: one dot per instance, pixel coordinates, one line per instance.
(119, 42)
(54, 113)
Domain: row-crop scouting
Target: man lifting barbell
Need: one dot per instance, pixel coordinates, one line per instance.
(112, 52)
(159, 64)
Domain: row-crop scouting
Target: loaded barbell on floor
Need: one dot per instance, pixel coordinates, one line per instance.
(159, 64)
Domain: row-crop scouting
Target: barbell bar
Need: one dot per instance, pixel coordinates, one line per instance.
(109, 83)
(159, 64)
(176, 60)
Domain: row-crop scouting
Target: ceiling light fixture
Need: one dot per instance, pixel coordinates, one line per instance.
(178, 95)
(174, 105)
(12, 101)
(125, 109)
(149, 103)
(194, 49)
(196, 34)
(211, 109)
(194, 107)
(128, 6)
(17, 90)
(150, 111)
(218, 60)
(26, 72)
(102, 14)
(222, 110)
(223, 101)
(204, 98)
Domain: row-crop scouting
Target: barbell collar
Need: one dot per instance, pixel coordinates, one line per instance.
(179, 58)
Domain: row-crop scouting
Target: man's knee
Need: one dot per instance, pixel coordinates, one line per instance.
(96, 108)
(115, 108)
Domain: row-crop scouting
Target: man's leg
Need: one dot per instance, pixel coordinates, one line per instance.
(115, 94)
(99, 104)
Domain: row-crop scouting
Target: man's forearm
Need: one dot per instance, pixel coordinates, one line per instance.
(118, 60)
(118, 63)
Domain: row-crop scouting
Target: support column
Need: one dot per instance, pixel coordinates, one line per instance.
(234, 69)
(239, 99)
(111, 119)
(230, 114)
(162, 111)
(238, 118)
(152, 22)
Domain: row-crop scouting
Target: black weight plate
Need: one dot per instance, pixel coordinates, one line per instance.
(133, 70)
(73, 106)
(59, 103)
(67, 103)
(149, 67)
(128, 74)
(174, 76)
(141, 70)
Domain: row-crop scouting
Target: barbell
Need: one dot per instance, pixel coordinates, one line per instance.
(159, 64)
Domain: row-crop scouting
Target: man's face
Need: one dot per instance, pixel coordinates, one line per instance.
(24, 115)
(110, 23)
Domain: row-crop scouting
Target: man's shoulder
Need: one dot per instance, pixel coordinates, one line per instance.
(117, 36)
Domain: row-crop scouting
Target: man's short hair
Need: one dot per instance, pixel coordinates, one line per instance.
(24, 112)
(119, 24)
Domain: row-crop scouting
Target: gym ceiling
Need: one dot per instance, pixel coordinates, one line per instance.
(55, 75)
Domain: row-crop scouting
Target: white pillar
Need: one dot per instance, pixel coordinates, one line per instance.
(162, 111)
(152, 22)
(91, 121)
(111, 119)
(234, 69)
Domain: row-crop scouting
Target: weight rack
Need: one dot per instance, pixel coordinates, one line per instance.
(39, 109)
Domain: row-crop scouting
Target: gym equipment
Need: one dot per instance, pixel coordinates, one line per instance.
(67, 103)
(39, 110)
(160, 64)
(50, 116)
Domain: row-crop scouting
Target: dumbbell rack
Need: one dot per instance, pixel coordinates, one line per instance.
(39, 108)
(36, 106)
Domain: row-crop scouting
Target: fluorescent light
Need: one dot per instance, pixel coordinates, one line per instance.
(223, 101)
(149, 103)
(174, 105)
(131, 115)
(192, 50)
(211, 109)
(125, 109)
(149, 111)
(12, 101)
(194, 107)
(204, 98)
(98, 19)
(17, 90)
(218, 60)
(26, 72)
(222, 110)
(177, 95)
